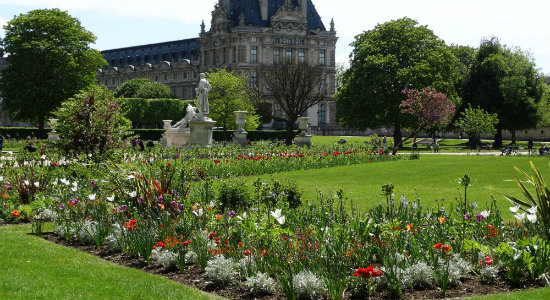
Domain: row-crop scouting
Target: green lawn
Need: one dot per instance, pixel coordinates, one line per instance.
(33, 268)
(433, 178)
(536, 294)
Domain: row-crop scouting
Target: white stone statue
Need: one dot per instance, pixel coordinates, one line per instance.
(202, 96)
(188, 116)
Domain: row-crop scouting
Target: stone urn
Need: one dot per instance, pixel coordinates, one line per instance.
(240, 120)
(303, 125)
(53, 122)
(167, 124)
(52, 135)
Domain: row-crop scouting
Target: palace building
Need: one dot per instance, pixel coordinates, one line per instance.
(244, 36)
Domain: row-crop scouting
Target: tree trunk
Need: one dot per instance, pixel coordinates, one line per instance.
(513, 136)
(396, 137)
(498, 138)
(289, 133)
(41, 122)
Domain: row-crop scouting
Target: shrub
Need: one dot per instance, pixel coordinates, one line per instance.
(220, 270)
(307, 285)
(233, 195)
(260, 284)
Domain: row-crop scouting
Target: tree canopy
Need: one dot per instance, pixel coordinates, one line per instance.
(505, 81)
(230, 92)
(475, 122)
(144, 88)
(394, 56)
(295, 87)
(49, 60)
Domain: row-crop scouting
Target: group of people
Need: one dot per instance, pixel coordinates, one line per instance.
(139, 143)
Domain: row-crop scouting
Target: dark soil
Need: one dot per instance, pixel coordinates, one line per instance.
(194, 276)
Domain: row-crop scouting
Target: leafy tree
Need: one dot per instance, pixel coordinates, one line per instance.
(394, 56)
(475, 122)
(49, 60)
(429, 109)
(144, 88)
(504, 81)
(230, 92)
(91, 123)
(295, 87)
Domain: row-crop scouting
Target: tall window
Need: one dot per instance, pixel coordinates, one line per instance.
(322, 114)
(301, 55)
(276, 54)
(234, 54)
(323, 84)
(322, 57)
(253, 54)
(288, 54)
(184, 93)
(253, 79)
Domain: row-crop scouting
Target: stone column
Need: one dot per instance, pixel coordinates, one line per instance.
(201, 132)
(52, 135)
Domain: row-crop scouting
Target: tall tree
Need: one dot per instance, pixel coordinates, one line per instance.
(144, 88)
(429, 109)
(475, 122)
(49, 60)
(394, 56)
(505, 81)
(230, 92)
(295, 87)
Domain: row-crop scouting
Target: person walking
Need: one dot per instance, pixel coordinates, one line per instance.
(1, 141)
(530, 144)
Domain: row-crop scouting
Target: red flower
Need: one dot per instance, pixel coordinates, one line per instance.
(159, 244)
(488, 260)
(247, 252)
(15, 214)
(438, 246)
(211, 235)
(130, 225)
(446, 248)
(368, 272)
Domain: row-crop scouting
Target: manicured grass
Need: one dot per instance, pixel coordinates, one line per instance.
(433, 178)
(33, 268)
(539, 294)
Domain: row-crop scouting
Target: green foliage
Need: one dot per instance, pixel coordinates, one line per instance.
(233, 195)
(143, 88)
(50, 60)
(91, 123)
(505, 81)
(230, 92)
(392, 57)
(475, 122)
(151, 112)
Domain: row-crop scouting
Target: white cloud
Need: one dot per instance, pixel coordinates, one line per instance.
(2, 23)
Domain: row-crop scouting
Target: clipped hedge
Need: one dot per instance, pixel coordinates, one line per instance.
(151, 112)
(217, 135)
(22, 132)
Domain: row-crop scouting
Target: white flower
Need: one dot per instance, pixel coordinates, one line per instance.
(485, 213)
(532, 218)
(277, 215)
(132, 194)
(520, 217)
(91, 197)
(111, 199)
(532, 210)
(199, 212)
(26, 182)
(243, 217)
(1, 178)
(514, 209)
(37, 184)
(43, 156)
(65, 181)
(212, 204)
(54, 182)
(130, 177)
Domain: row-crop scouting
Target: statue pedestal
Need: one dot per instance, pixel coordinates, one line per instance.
(53, 136)
(201, 132)
(304, 140)
(241, 138)
(176, 137)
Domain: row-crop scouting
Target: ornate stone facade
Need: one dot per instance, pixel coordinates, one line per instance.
(244, 36)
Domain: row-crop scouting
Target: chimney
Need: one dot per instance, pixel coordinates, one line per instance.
(263, 9)
(303, 4)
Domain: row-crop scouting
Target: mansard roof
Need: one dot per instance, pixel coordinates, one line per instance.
(253, 16)
(172, 51)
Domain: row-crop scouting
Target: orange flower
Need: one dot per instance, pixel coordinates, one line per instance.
(218, 216)
(441, 220)
(410, 226)
(195, 206)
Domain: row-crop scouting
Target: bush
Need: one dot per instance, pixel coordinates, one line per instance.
(91, 123)
(233, 195)
(220, 270)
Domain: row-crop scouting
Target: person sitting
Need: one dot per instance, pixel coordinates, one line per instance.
(30, 147)
(542, 150)
(150, 144)
(141, 145)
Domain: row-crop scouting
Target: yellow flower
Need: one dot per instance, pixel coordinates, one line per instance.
(410, 226)
(441, 220)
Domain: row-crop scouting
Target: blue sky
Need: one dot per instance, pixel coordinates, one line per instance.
(120, 23)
